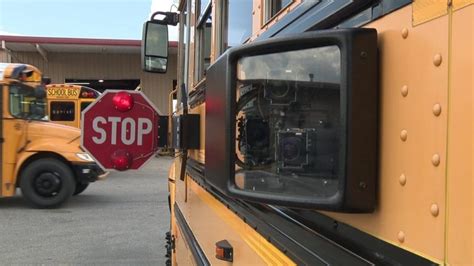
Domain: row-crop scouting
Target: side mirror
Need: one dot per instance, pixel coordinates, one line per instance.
(40, 92)
(155, 47)
(45, 80)
(292, 121)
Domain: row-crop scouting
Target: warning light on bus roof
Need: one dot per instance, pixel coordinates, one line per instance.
(123, 101)
(87, 94)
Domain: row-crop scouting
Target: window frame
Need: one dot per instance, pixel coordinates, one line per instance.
(183, 49)
(267, 10)
(10, 106)
(200, 40)
(224, 31)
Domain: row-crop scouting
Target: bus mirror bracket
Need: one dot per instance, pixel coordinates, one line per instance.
(168, 18)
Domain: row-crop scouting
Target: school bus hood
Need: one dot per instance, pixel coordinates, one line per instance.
(54, 133)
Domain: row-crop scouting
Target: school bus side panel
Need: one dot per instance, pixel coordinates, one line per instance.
(210, 221)
(460, 231)
(2, 140)
(411, 193)
(14, 138)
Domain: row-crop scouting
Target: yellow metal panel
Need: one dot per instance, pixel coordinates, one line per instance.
(211, 221)
(185, 256)
(460, 178)
(13, 133)
(411, 186)
(426, 10)
(457, 4)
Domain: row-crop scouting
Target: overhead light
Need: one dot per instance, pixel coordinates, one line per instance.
(101, 80)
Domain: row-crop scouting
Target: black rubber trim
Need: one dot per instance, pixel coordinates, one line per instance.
(289, 18)
(378, 251)
(308, 237)
(325, 14)
(316, 14)
(92, 176)
(198, 255)
(374, 12)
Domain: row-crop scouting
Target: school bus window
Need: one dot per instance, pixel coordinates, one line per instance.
(203, 41)
(203, 5)
(239, 24)
(25, 104)
(272, 7)
(84, 105)
(62, 111)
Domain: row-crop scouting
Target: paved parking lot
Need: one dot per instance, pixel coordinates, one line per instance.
(120, 221)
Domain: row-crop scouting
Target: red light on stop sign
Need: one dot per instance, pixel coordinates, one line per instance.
(121, 160)
(123, 101)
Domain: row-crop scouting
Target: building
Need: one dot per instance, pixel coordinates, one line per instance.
(97, 63)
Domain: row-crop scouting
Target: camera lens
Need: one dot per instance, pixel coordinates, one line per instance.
(280, 89)
(291, 148)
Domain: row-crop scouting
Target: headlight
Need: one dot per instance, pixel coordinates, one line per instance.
(84, 157)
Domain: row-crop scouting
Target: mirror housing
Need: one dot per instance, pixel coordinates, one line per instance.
(154, 50)
(350, 137)
(40, 92)
(45, 80)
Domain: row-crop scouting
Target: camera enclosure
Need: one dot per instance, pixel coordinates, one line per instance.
(292, 121)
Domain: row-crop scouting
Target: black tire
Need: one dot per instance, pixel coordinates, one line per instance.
(47, 183)
(80, 187)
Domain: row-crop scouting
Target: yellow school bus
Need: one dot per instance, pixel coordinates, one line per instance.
(328, 133)
(43, 159)
(66, 102)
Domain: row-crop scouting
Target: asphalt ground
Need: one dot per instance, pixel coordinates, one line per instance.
(119, 221)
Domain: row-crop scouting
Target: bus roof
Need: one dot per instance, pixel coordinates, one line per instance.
(25, 72)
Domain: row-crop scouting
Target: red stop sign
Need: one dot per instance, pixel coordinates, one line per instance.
(120, 130)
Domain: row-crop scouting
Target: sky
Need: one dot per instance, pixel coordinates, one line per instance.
(107, 19)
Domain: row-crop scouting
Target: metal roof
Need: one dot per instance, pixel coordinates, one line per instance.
(74, 45)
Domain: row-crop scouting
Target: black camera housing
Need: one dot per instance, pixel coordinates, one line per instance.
(356, 148)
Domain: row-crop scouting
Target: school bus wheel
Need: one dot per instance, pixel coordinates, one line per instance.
(47, 183)
(80, 187)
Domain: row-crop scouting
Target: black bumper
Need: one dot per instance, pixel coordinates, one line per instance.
(87, 172)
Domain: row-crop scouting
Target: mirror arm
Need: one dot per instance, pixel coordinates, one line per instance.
(171, 18)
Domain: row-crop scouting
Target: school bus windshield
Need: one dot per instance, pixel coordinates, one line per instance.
(26, 103)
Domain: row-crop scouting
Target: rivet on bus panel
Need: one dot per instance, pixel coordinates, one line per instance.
(435, 159)
(437, 109)
(403, 135)
(434, 209)
(401, 236)
(404, 90)
(437, 59)
(402, 179)
(404, 33)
